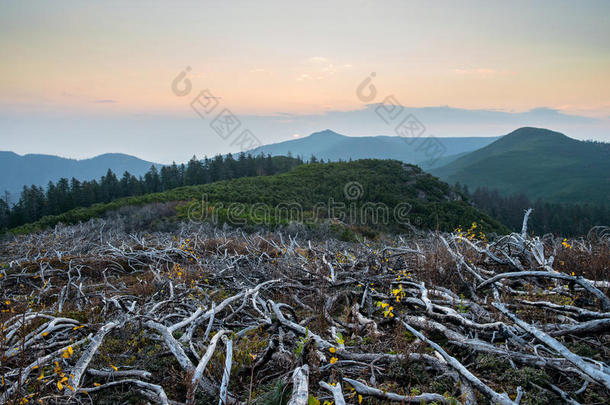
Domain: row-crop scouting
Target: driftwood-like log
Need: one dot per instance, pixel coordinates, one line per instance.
(463, 371)
(599, 375)
(119, 373)
(300, 386)
(82, 363)
(586, 284)
(203, 363)
(589, 328)
(226, 374)
(335, 390)
(154, 392)
(364, 389)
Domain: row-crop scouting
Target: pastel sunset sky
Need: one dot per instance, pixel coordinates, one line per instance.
(81, 78)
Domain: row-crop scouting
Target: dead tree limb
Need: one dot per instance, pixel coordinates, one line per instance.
(300, 386)
(364, 389)
(335, 390)
(601, 376)
(463, 371)
(81, 365)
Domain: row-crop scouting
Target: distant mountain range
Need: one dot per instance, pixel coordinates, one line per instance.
(19, 170)
(538, 163)
(425, 151)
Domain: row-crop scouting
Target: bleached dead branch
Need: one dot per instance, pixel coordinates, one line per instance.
(296, 310)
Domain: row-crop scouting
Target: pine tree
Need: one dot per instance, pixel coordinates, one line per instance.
(152, 181)
(4, 215)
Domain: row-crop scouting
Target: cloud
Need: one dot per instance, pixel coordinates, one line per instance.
(104, 101)
(317, 59)
(599, 110)
(319, 68)
(302, 77)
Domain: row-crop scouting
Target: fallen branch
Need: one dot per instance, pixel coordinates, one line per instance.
(203, 363)
(226, 373)
(463, 371)
(364, 389)
(604, 301)
(335, 390)
(600, 376)
(82, 363)
(151, 391)
(300, 383)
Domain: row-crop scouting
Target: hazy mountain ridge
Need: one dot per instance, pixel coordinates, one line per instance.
(38, 169)
(329, 145)
(538, 163)
(19, 170)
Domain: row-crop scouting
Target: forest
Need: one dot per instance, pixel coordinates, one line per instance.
(37, 202)
(560, 219)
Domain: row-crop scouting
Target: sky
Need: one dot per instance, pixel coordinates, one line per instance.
(79, 78)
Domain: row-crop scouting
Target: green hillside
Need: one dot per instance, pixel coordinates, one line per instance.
(432, 203)
(539, 163)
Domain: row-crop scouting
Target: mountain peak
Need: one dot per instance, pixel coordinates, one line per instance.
(527, 136)
(531, 132)
(113, 155)
(534, 161)
(327, 133)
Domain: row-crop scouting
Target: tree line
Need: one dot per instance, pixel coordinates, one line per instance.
(35, 202)
(557, 218)
(64, 195)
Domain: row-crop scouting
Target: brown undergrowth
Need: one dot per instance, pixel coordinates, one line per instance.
(345, 310)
